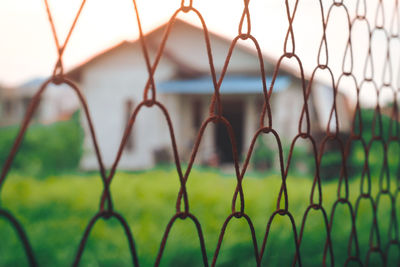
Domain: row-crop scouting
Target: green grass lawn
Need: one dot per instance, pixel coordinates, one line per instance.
(55, 211)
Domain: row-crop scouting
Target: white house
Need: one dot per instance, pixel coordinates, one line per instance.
(113, 83)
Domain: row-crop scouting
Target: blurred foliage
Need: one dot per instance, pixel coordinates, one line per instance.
(302, 161)
(331, 164)
(380, 126)
(46, 149)
(56, 210)
(263, 156)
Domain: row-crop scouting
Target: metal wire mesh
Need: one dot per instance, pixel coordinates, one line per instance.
(266, 127)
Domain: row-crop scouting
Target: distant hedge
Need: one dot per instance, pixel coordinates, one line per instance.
(46, 149)
(265, 154)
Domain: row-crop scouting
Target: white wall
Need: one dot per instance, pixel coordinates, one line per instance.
(285, 107)
(107, 84)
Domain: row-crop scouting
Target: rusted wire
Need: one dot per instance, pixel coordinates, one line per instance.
(238, 212)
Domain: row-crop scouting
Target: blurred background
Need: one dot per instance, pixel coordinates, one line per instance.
(54, 187)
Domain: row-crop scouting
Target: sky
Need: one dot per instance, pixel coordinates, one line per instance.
(27, 47)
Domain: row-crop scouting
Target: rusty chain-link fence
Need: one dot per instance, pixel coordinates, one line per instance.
(389, 180)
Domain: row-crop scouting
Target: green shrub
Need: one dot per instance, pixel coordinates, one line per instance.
(356, 157)
(263, 156)
(266, 157)
(46, 149)
(331, 164)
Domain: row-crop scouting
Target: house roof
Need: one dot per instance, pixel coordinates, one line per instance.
(230, 85)
(184, 66)
(35, 82)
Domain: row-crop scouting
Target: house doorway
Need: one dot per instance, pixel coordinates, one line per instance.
(233, 112)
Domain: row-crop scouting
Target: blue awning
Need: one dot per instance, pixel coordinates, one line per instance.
(230, 85)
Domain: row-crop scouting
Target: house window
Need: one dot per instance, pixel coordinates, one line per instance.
(197, 112)
(26, 102)
(128, 112)
(8, 108)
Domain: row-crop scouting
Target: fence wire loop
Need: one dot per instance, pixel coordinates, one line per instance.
(372, 186)
(185, 6)
(245, 17)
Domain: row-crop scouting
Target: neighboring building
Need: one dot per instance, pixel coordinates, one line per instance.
(9, 108)
(57, 103)
(113, 84)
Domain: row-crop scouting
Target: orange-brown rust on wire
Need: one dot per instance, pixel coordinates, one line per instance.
(216, 116)
(59, 69)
